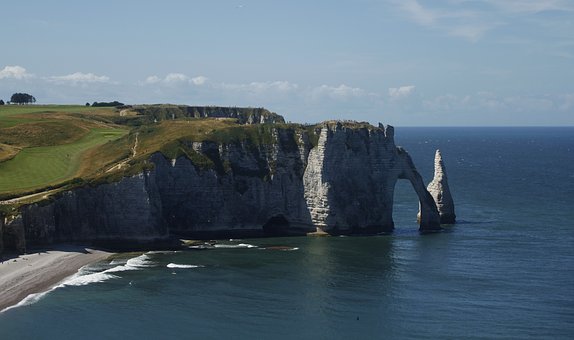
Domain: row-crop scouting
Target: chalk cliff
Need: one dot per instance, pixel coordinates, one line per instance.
(440, 191)
(337, 177)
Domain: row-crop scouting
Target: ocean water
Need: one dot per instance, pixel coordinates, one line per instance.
(505, 271)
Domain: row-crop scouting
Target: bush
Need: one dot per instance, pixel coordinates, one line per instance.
(107, 104)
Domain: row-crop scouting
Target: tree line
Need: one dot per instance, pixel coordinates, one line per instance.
(20, 99)
(25, 98)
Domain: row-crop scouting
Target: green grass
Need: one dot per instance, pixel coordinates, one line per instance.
(65, 146)
(39, 167)
(11, 115)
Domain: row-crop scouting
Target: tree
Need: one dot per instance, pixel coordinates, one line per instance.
(87, 104)
(107, 104)
(22, 98)
(1, 102)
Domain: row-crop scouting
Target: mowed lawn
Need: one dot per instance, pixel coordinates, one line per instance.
(39, 167)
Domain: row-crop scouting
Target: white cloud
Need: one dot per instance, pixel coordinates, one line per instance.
(471, 32)
(532, 6)
(280, 86)
(14, 72)
(488, 102)
(199, 80)
(566, 102)
(453, 20)
(152, 80)
(401, 92)
(418, 13)
(338, 92)
(176, 78)
(472, 19)
(79, 77)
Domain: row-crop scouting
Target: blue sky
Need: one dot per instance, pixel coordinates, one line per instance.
(401, 62)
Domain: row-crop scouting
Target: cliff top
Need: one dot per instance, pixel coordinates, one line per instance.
(49, 148)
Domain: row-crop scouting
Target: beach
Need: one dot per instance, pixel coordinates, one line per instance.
(39, 271)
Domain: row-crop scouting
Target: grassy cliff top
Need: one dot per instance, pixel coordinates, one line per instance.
(49, 148)
(46, 147)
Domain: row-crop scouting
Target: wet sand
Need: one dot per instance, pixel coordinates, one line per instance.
(38, 272)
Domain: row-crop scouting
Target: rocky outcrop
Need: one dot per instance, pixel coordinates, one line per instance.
(440, 192)
(336, 177)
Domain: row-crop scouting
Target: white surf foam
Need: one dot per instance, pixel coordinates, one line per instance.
(162, 252)
(232, 246)
(86, 279)
(183, 266)
(87, 275)
(142, 261)
(28, 300)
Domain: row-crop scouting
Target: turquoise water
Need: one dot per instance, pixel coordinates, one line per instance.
(505, 271)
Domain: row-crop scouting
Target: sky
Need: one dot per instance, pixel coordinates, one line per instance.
(400, 62)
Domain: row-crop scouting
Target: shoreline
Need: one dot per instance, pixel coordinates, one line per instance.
(40, 271)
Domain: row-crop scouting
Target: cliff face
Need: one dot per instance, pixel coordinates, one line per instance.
(343, 182)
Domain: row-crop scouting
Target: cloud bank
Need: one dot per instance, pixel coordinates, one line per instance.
(14, 72)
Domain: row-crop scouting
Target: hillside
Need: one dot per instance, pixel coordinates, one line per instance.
(46, 147)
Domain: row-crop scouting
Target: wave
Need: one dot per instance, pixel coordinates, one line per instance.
(162, 252)
(83, 280)
(233, 246)
(142, 261)
(182, 266)
(90, 274)
(29, 300)
(281, 248)
(84, 276)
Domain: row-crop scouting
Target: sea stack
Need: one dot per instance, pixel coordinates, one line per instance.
(440, 191)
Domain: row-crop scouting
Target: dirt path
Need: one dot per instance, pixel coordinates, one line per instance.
(43, 195)
(124, 162)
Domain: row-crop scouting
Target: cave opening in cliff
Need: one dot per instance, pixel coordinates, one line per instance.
(276, 225)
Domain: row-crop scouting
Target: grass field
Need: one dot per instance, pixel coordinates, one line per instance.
(11, 115)
(48, 146)
(43, 166)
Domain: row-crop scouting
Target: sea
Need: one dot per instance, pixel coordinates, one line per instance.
(504, 271)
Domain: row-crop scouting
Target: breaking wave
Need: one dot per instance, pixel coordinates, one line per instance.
(183, 266)
(85, 277)
(88, 275)
(28, 300)
(232, 246)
